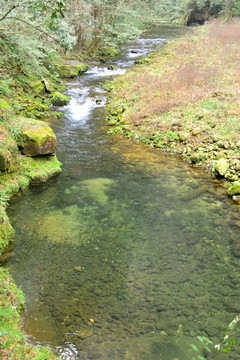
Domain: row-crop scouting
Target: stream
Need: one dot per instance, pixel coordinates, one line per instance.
(127, 254)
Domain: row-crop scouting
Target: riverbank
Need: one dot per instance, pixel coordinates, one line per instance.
(185, 100)
(27, 156)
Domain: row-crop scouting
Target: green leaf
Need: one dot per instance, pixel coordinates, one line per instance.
(194, 347)
(201, 357)
(207, 348)
(60, 5)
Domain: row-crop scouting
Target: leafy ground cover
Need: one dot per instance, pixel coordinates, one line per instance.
(185, 99)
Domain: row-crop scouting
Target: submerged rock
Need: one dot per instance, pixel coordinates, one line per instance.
(97, 188)
(61, 226)
(84, 333)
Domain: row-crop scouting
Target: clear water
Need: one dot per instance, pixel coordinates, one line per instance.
(127, 254)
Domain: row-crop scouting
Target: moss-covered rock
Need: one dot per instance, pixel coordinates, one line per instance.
(37, 87)
(41, 168)
(8, 149)
(221, 167)
(38, 139)
(234, 189)
(71, 71)
(110, 52)
(59, 99)
(34, 137)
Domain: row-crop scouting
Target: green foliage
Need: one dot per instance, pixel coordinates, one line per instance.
(225, 345)
(204, 345)
(236, 8)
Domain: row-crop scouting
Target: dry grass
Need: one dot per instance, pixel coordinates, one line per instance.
(225, 34)
(191, 69)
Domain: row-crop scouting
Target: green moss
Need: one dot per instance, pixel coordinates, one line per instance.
(97, 188)
(110, 52)
(71, 71)
(36, 134)
(37, 88)
(56, 114)
(234, 189)
(41, 168)
(59, 99)
(4, 105)
(6, 230)
(12, 340)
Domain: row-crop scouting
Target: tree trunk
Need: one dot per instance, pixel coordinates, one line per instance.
(101, 30)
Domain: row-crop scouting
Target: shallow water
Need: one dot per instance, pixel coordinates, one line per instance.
(126, 255)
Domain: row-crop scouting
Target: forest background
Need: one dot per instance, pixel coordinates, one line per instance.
(33, 32)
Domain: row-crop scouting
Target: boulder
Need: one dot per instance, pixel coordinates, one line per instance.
(46, 86)
(59, 99)
(71, 71)
(221, 167)
(35, 137)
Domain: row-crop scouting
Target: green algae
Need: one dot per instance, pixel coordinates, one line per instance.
(97, 188)
(60, 226)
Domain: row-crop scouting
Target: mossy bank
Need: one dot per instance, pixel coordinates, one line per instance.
(27, 156)
(185, 100)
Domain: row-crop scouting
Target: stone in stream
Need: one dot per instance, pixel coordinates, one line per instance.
(59, 99)
(72, 70)
(84, 333)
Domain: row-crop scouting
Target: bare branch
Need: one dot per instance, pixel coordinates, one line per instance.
(14, 6)
(35, 27)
